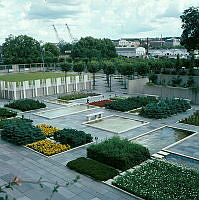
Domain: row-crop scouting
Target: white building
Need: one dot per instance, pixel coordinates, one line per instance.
(131, 51)
(172, 42)
(124, 43)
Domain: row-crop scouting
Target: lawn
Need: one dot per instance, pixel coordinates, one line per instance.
(31, 76)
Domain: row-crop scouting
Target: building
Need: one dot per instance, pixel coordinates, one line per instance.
(157, 43)
(172, 42)
(130, 52)
(124, 43)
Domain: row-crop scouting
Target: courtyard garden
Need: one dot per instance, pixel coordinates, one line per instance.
(191, 120)
(69, 97)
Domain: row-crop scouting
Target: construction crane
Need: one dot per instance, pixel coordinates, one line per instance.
(73, 40)
(57, 35)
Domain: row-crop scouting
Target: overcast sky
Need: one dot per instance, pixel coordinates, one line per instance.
(97, 18)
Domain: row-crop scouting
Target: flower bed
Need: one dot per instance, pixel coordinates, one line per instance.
(48, 147)
(47, 129)
(118, 153)
(100, 103)
(5, 122)
(93, 168)
(26, 104)
(192, 120)
(77, 96)
(5, 113)
(162, 181)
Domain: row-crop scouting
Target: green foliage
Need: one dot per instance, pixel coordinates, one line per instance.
(5, 122)
(72, 137)
(190, 82)
(165, 108)
(95, 169)
(26, 104)
(153, 78)
(21, 133)
(52, 49)
(118, 153)
(130, 103)
(192, 120)
(77, 96)
(176, 81)
(79, 67)
(5, 113)
(160, 180)
(66, 67)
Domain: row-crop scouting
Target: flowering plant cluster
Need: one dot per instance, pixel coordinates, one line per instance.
(47, 129)
(100, 103)
(48, 147)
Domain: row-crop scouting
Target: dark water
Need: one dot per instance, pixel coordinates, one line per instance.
(157, 140)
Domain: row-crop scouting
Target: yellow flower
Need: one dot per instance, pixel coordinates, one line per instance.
(47, 129)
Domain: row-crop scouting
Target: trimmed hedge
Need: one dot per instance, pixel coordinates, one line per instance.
(192, 120)
(72, 137)
(162, 181)
(95, 169)
(130, 103)
(5, 122)
(21, 133)
(118, 153)
(26, 104)
(165, 108)
(5, 113)
(77, 96)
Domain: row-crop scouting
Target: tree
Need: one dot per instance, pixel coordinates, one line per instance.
(51, 48)
(79, 67)
(190, 26)
(20, 48)
(93, 67)
(109, 69)
(63, 46)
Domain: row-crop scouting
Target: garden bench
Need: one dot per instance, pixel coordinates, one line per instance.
(97, 115)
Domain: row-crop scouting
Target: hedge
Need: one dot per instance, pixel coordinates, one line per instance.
(130, 103)
(118, 153)
(5, 122)
(72, 137)
(26, 104)
(5, 113)
(162, 181)
(76, 96)
(95, 169)
(21, 133)
(192, 120)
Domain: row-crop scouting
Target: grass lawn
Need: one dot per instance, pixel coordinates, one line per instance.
(31, 76)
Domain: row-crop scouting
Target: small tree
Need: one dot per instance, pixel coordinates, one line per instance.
(79, 67)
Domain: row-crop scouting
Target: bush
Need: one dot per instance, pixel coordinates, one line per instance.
(72, 137)
(26, 104)
(160, 180)
(77, 96)
(118, 153)
(5, 122)
(5, 113)
(192, 120)
(21, 133)
(130, 103)
(100, 103)
(153, 78)
(95, 169)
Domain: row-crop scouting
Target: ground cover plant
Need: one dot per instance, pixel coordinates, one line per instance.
(160, 180)
(47, 129)
(48, 147)
(5, 113)
(118, 153)
(72, 137)
(192, 120)
(77, 96)
(93, 168)
(26, 104)
(165, 108)
(5, 122)
(21, 133)
(100, 103)
(130, 103)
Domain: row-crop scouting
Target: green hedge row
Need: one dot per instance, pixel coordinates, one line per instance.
(165, 108)
(5, 122)
(72, 137)
(161, 180)
(95, 169)
(26, 104)
(77, 96)
(192, 120)
(5, 113)
(21, 133)
(118, 153)
(130, 103)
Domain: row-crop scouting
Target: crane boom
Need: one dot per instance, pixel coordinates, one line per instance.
(73, 40)
(56, 33)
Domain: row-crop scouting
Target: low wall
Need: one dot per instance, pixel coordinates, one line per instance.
(140, 87)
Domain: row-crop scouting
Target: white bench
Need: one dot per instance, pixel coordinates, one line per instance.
(97, 115)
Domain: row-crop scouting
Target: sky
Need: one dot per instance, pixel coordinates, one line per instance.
(112, 19)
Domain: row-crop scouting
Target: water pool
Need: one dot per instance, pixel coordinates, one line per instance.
(161, 138)
(116, 124)
(63, 111)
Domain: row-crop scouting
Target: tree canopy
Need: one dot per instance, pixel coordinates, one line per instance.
(190, 26)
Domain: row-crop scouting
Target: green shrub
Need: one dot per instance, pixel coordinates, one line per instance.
(130, 103)
(192, 120)
(5, 113)
(118, 153)
(26, 104)
(77, 96)
(153, 78)
(5, 122)
(72, 137)
(95, 169)
(162, 181)
(21, 133)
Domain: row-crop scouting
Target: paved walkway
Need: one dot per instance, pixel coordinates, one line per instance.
(28, 165)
